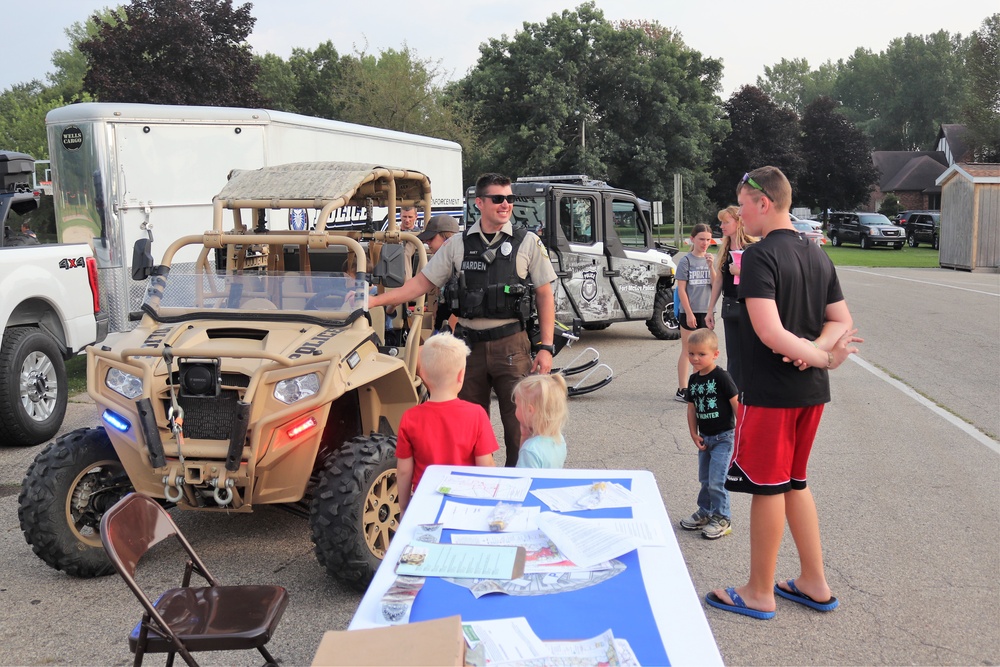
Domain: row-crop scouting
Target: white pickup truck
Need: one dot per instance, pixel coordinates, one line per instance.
(49, 311)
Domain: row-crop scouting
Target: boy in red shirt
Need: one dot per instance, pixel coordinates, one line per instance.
(445, 430)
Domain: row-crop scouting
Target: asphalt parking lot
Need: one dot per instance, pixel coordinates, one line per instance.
(904, 472)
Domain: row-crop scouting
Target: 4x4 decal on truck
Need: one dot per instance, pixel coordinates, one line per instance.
(72, 263)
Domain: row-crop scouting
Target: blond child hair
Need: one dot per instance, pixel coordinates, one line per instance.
(442, 359)
(546, 395)
(704, 337)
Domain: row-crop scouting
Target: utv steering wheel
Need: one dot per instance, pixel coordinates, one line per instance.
(319, 299)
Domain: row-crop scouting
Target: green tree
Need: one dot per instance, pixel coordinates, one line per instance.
(761, 133)
(276, 83)
(70, 63)
(982, 109)
(890, 206)
(174, 52)
(793, 85)
(839, 173)
(901, 96)
(22, 118)
(578, 94)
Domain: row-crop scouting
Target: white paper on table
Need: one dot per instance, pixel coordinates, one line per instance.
(461, 516)
(583, 541)
(643, 533)
(514, 489)
(542, 554)
(565, 499)
(505, 639)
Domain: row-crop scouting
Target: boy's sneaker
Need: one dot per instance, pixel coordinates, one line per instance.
(681, 396)
(695, 521)
(716, 528)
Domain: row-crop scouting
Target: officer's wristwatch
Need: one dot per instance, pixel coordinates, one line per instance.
(551, 349)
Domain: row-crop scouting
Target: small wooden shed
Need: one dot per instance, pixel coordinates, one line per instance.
(970, 217)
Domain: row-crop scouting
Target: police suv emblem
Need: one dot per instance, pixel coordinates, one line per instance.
(505, 248)
(589, 290)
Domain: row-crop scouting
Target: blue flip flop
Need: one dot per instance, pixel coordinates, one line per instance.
(795, 595)
(738, 606)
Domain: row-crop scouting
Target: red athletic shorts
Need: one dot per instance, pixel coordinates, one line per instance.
(771, 448)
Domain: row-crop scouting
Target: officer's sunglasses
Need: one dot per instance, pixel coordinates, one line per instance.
(755, 185)
(499, 199)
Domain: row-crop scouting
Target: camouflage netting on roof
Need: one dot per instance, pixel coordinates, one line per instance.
(303, 181)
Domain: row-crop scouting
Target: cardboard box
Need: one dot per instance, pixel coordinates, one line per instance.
(431, 643)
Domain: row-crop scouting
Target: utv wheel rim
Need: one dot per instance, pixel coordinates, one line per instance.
(381, 512)
(39, 387)
(90, 495)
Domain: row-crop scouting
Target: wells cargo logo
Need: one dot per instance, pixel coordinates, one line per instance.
(71, 263)
(589, 290)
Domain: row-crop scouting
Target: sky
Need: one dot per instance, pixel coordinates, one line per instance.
(746, 36)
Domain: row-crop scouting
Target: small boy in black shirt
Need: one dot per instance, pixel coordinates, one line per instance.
(711, 418)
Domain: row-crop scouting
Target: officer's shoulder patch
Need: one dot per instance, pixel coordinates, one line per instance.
(541, 246)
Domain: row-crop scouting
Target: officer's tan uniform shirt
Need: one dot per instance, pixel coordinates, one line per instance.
(532, 260)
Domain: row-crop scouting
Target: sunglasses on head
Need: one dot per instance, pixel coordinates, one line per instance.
(756, 186)
(499, 199)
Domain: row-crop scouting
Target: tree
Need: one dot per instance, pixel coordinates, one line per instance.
(982, 110)
(577, 94)
(174, 52)
(22, 118)
(761, 133)
(792, 84)
(901, 96)
(890, 206)
(71, 64)
(276, 83)
(839, 173)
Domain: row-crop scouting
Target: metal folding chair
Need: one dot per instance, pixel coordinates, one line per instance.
(187, 619)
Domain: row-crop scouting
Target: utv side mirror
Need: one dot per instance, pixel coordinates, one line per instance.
(391, 267)
(142, 260)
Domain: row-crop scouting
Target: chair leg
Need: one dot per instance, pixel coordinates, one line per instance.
(170, 658)
(267, 657)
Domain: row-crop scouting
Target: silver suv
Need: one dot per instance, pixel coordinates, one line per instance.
(869, 230)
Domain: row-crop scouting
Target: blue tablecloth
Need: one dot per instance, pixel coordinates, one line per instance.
(620, 603)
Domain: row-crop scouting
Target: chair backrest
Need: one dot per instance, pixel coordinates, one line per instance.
(133, 526)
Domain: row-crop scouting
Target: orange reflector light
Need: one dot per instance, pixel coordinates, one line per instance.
(305, 425)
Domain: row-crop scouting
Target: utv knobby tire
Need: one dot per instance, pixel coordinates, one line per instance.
(663, 324)
(67, 489)
(33, 393)
(596, 326)
(355, 509)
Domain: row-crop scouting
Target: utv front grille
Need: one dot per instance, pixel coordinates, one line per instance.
(208, 417)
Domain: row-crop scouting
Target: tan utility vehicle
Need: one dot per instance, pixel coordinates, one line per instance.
(256, 376)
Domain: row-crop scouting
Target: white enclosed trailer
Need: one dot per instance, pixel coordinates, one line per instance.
(123, 172)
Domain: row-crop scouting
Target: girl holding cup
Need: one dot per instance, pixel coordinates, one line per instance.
(727, 263)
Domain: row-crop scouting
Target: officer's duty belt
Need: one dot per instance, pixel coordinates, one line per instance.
(473, 336)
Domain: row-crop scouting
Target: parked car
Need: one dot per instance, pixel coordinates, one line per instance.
(869, 230)
(809, 232)
(921, 227)
(816, 225)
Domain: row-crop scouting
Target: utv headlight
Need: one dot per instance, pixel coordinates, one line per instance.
(126, 384)
(295, 389)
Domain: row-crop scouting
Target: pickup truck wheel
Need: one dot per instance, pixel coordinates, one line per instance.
(355, 509)
(663, 324)
(834, 239)
(936, 241)
(911, 240)
(865, 243)
(68, 488)
(32, 387)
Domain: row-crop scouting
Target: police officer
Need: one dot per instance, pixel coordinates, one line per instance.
(490, 270)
